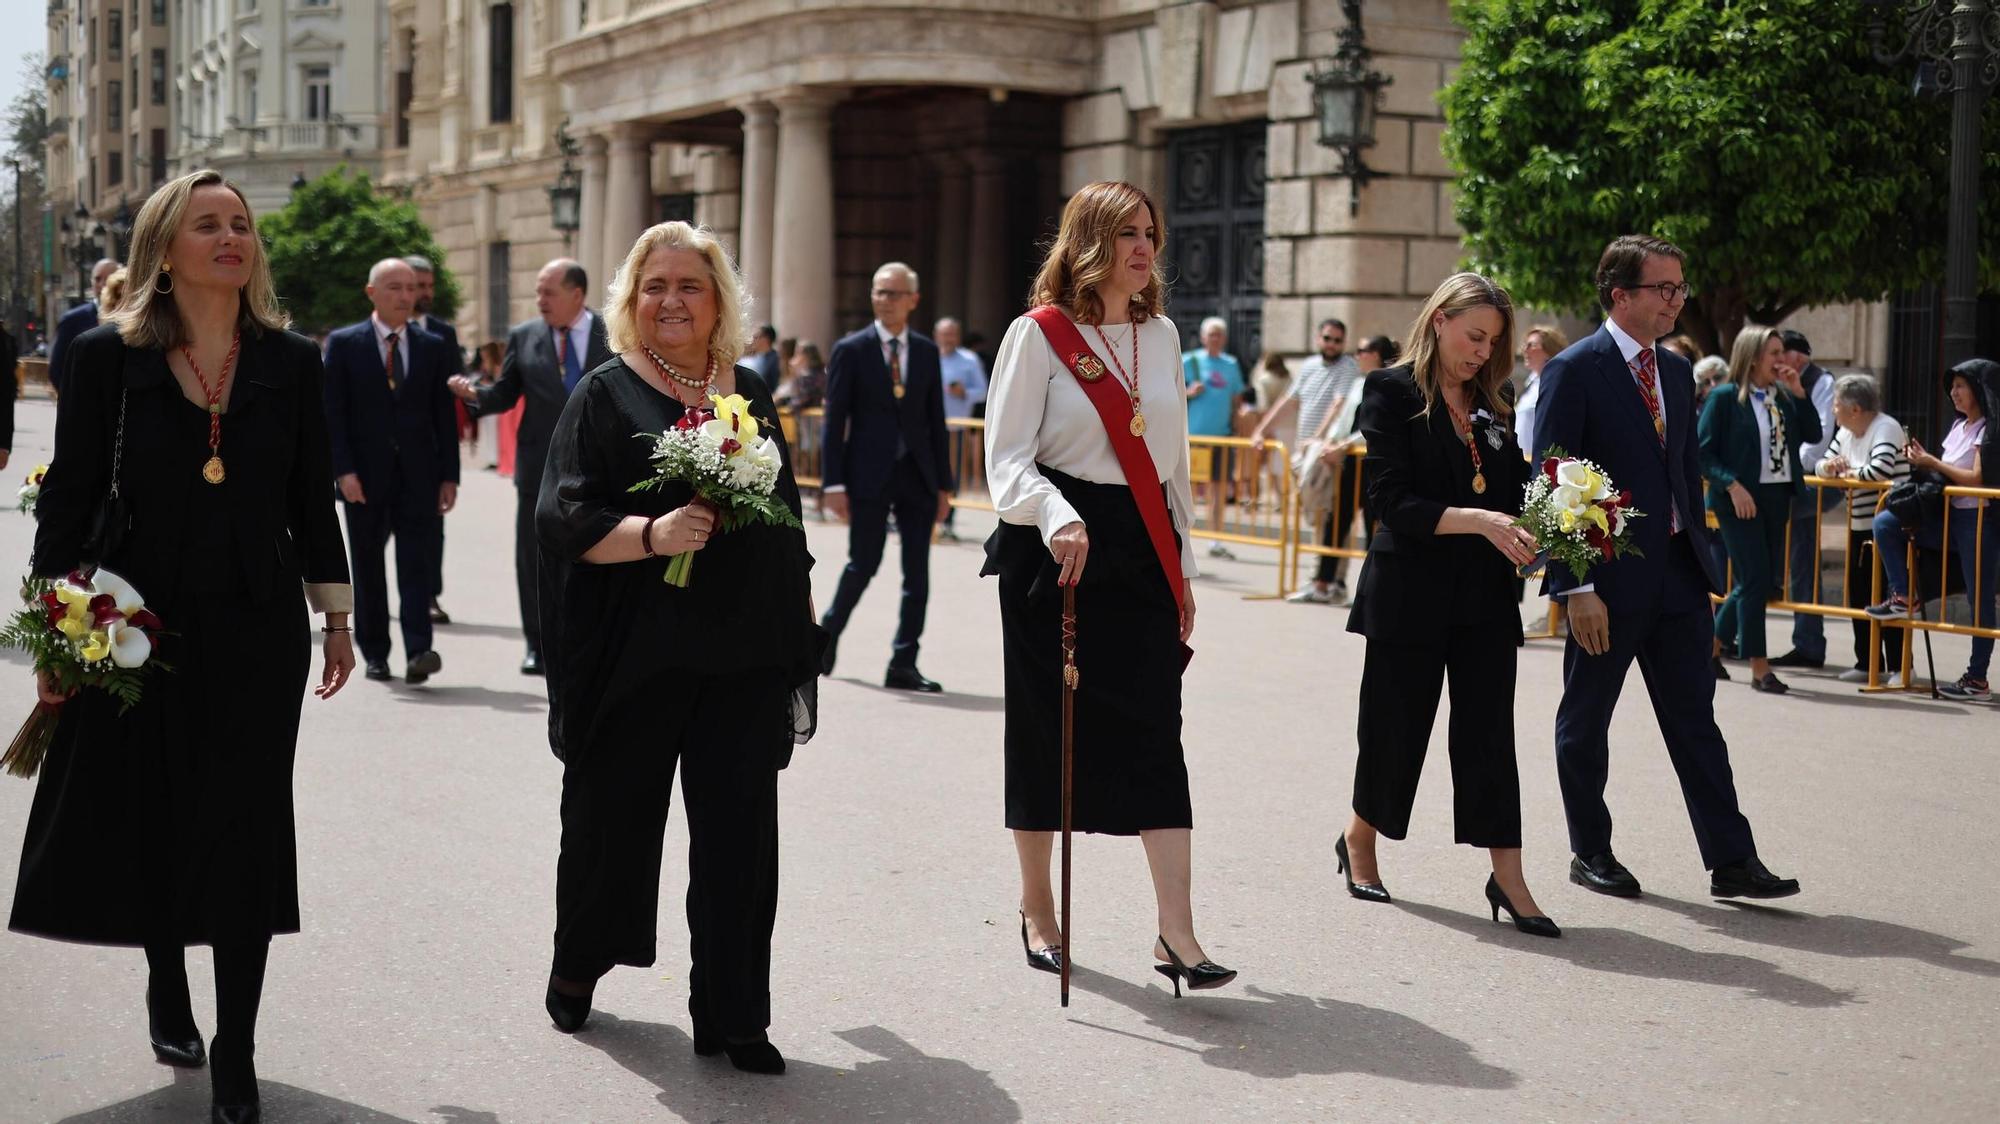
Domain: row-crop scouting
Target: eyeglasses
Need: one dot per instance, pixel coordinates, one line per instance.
(1669, 291)
(891, 294)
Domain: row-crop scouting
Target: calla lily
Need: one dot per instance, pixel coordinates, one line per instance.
(129, 646)
(73, 628)
(1576, 474)
(95, 647)
(720, 433)
(734, 411)
(121, 591)
(76, 601)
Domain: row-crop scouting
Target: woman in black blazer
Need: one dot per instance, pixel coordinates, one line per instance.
(1750, 436)
(171, 824)
(1436, 595)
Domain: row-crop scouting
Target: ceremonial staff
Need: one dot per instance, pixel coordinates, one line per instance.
(1070, 678)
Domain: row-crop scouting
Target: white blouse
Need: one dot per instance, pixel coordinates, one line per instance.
(1036, 412)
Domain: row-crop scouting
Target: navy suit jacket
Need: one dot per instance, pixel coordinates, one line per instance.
(443, 330)
(864, 417)
(403, 442)
(74, 323)
(1590, 406)
(530, 371)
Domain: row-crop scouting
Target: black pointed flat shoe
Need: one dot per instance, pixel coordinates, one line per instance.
(568, 1012)
(1201, 977)
(750, 1057)
(1533, 926)
(1048, 958)
(1366, 891)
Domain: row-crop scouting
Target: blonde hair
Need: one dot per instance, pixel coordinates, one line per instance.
(1744, 354)
(732, 320)
(1459, 294)
(149, 318)
(1085, 253)
(112, 294)
(1553, 340)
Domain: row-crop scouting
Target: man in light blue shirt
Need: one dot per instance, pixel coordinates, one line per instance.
(1214, 381)
(964, 397)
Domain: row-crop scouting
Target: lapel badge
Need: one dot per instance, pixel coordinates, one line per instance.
(1088, 368)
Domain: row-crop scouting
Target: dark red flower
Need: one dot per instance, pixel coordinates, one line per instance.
(51, 600)
(78, 578)
(1549, 467)
(56, 614)
(148, 620)
(104, 610)
(694, 419)
(730, 445)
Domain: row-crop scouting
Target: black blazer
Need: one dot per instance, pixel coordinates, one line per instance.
(400, 442)
(443, 330)
(274, 442)
(864, 417)
(531, 371)
(1732, 450)
(73, 324)
(1416, 584)
(1592, 408)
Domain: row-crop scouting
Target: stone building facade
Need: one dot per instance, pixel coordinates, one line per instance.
(822, 137)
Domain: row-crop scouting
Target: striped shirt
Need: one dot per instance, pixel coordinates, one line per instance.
(1875, 455)
(1317, 385)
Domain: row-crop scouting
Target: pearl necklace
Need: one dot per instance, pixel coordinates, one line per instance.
(672, 372)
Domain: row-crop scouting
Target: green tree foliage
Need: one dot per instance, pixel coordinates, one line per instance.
(330, 234)
(1758, 135)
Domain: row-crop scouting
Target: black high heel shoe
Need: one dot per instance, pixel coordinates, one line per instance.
(1201, 977)
(1533, 926)
(1366, 891)
(176, 1040)
(1045, 959)
(568, 1012)
(233, 1083)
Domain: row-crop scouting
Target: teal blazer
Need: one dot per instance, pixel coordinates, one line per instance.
(1732, 449)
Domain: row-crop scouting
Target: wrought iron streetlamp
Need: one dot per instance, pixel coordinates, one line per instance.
(1345, 92)
(566, 194)
(1956, 45)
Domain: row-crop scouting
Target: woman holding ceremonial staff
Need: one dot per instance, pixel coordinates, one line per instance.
(1436, 597)
(1087, 456)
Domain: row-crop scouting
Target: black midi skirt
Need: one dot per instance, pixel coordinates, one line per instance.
(1130, 775)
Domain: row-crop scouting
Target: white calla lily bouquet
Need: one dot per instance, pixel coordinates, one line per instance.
(731, 464)
(89, 629)
(1578, 515)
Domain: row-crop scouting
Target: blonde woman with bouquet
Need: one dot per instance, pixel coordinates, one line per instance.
(647, 674)
(1436, 595)
(170, 824)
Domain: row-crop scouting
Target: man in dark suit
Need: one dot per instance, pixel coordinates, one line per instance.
(10, 355)
(546, 357)
(885, 454)
(395, 461)
(78, 320)
(1616, 399)
(426, 292)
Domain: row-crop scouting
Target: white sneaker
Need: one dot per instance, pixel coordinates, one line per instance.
(1854, 675)
(1312, 595)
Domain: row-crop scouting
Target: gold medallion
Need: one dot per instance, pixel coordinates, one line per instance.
(1479, 483)
(212, 471)
(1088, 368)
(1138, 425)
(1660, 425)
(898, 389)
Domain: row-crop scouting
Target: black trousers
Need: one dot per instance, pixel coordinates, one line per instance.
(913, 503)
(1401, 686)
(1336, 528)
(727, 744)
(1671, 637)
(528, 568)
(412, 520)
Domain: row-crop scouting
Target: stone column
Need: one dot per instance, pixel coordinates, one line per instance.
(947, 296)
(760, 196)
(988, 309)
(590, 231)
(802, 262)
(628, 191)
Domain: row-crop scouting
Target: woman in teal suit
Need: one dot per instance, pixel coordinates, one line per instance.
(1750, 454)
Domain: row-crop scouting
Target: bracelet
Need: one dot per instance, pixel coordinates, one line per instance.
(331, 630)
(646, 537)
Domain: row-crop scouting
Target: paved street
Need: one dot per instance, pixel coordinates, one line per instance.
(427, 842)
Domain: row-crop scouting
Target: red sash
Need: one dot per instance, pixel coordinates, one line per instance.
(1114, 406)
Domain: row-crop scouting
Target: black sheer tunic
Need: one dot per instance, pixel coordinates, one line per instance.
(619, 631)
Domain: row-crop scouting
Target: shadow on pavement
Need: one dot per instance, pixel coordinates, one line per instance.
(905, 1084)
(1279, 1035)
(1830, 935)
(187, 1099)
(463, 628)
(1626, 953)
(436, 694)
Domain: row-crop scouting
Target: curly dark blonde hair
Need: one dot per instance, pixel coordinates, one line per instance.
(1085, 253)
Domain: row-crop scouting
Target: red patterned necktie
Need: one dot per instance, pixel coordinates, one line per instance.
(1643, 367)
(395, 362)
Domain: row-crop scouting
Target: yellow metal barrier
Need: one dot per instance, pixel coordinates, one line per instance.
(968, 459)
(1231, 503)
(1306, 525)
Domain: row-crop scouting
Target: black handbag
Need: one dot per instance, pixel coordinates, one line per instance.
(112, 519)
(1917, 500)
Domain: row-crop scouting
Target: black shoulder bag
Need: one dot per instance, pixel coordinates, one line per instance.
(112, 519)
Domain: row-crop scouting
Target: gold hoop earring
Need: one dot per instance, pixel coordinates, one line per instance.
(168, 278)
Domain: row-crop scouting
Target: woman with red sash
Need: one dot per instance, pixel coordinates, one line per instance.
(1087, 459)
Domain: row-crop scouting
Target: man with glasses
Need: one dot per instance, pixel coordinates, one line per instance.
(1619, 401)
(885, 454)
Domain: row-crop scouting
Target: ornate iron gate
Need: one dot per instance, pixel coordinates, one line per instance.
(1215, 233)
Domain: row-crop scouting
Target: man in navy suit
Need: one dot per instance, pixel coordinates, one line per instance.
(78, 320)
(885, 454)
(442, 329)
(546, 356)
(1616, 399)
(395, 460)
